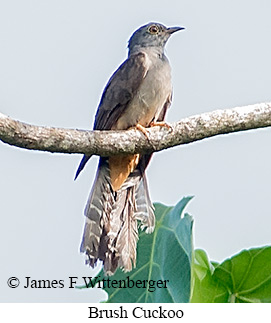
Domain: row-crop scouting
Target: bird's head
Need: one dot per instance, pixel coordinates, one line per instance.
(151, 35)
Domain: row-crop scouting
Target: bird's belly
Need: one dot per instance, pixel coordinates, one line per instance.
(147, 103)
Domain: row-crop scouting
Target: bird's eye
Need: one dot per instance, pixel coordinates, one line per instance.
(153, 29)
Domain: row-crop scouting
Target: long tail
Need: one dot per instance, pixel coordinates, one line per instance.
(111, 228)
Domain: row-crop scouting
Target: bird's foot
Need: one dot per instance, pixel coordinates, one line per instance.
(161, 124)
(144, 130)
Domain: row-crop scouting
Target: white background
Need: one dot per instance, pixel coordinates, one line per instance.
(55, 59)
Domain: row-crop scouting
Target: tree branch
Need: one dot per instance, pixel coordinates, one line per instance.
(105, 143)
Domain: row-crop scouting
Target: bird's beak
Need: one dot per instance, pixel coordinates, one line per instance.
(172, 30)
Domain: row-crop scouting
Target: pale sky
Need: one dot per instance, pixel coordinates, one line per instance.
(55, 59)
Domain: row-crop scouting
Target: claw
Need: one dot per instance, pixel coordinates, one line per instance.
(161, 124)
(143, 130)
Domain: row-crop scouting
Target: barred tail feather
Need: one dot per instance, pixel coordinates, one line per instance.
(144, 208)
(111, 228)
(99, 204)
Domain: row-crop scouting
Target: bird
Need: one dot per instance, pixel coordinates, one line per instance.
(138, 95)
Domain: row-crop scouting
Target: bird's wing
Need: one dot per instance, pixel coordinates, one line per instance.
(117, 94)
(120, 90)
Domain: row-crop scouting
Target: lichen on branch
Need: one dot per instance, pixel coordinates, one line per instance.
(105, 143)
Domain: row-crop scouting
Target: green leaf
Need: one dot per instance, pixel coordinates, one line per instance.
(206, 289)
(247, 276)
(165, 255)
(244, 278)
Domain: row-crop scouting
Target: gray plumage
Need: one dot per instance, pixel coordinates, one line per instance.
(139, 92)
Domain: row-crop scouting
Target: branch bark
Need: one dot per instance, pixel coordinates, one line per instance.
(105, 143)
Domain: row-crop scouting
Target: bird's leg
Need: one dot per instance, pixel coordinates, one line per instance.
(143, 130)
(161, 124)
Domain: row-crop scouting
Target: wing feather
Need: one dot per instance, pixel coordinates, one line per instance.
(120, 90)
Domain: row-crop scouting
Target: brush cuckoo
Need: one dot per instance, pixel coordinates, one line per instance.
(138, 95)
